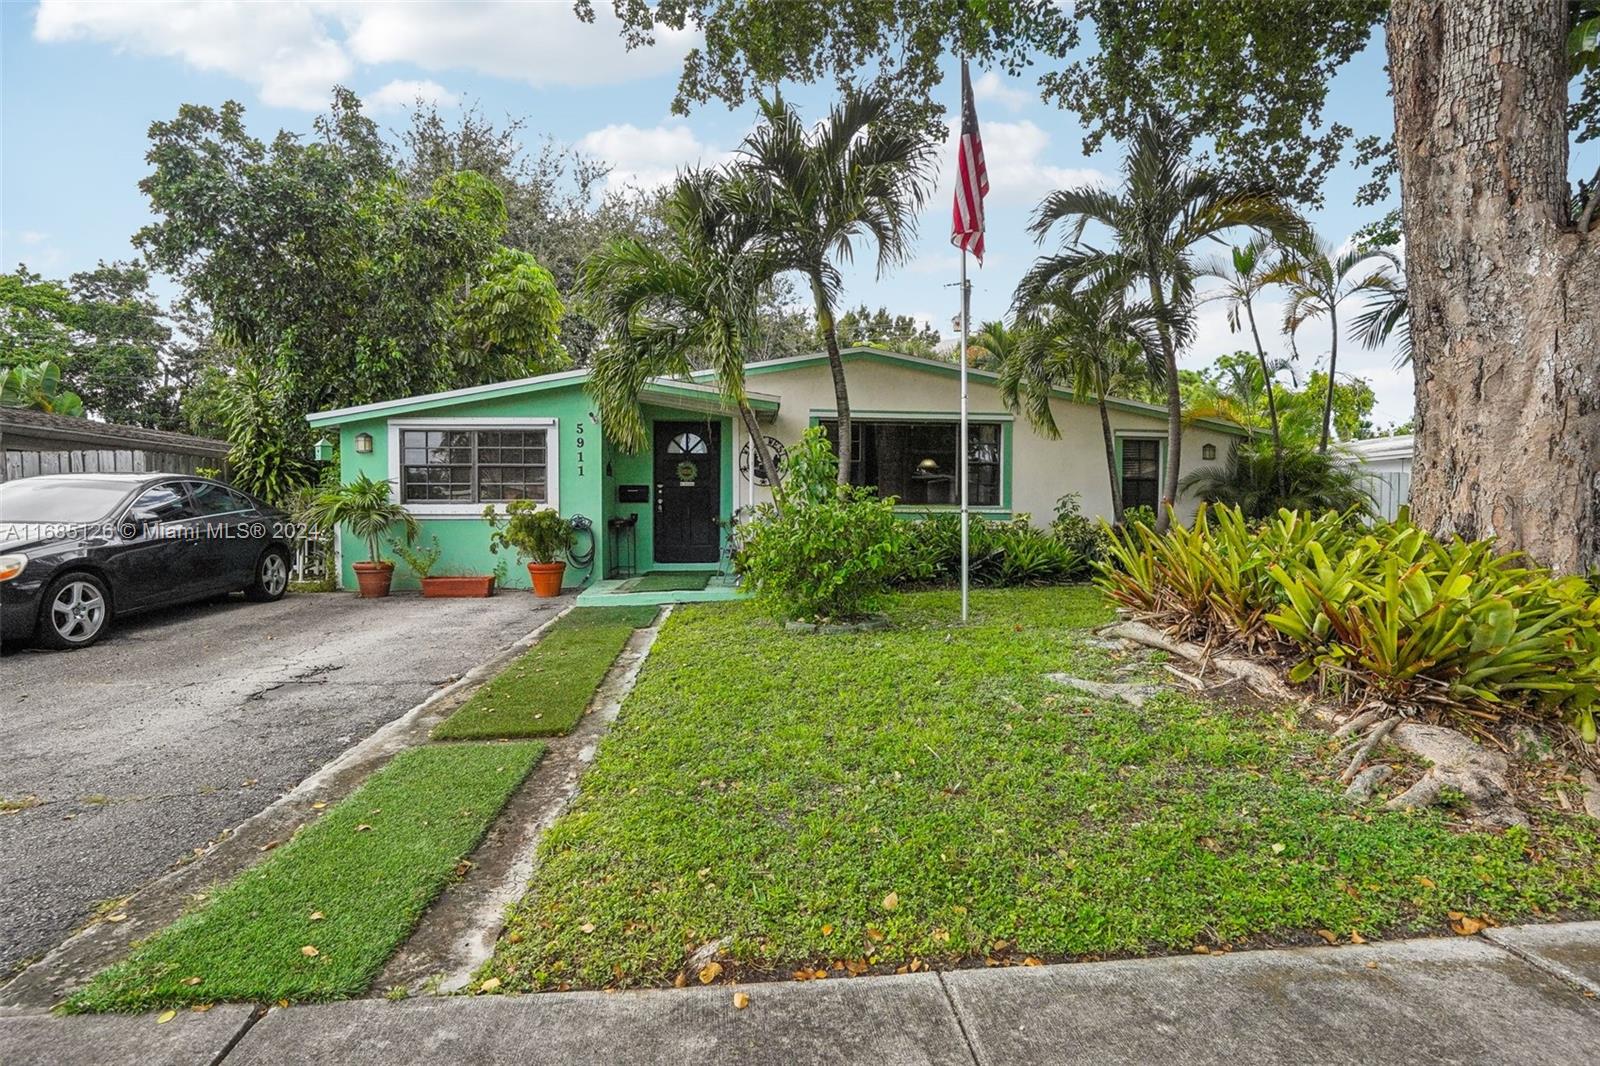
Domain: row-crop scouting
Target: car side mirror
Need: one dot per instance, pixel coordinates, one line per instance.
(138, 523)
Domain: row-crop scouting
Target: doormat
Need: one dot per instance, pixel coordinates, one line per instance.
(672, 581)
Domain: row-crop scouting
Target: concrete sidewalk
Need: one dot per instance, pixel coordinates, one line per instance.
(1519, 995)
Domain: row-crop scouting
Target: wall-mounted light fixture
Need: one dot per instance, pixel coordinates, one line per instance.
(363, 443)
(1208, 451)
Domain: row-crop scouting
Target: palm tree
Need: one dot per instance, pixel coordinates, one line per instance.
(1082, 340)
(1165, 207)
(693, 300)
(1387, 314)
(992, 345)
(1320, 279)
(1243, 278)
(857, 175)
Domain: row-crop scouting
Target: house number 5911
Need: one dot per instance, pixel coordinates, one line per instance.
(580, 449)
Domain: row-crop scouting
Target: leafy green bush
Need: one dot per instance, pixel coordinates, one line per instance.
(823, 550)
(1139, 514)
(1077, 530)
(1389, 611)
(1261, 482)
(534, 532)
(1002, 553)
(421, 558)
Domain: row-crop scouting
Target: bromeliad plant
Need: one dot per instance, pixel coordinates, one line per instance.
(1389, 612)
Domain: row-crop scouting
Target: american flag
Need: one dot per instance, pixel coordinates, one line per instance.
(972, 177)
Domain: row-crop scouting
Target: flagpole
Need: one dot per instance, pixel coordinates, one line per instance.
(964, 447)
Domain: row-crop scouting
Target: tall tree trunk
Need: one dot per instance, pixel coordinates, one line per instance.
(841, 393)
(1169, 353)
(1505, 323)
(1111, 459)
(763, 454)
(1272, 398)
(1333, 366)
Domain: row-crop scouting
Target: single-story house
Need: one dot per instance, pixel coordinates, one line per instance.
(1387, 461)
(669, 507)
(38, 442)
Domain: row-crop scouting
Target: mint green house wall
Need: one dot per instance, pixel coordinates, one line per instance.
(589, 470)
(464, 538)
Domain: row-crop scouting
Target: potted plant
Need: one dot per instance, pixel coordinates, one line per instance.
(364, 505)
(538, 534)
(423, 559)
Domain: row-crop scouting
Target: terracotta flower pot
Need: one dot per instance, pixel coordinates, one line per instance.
(546, 578)
(457, 586)
(374, 579)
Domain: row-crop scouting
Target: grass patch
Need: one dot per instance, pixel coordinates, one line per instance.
(350, 886)
(778, 788)
(543, 693)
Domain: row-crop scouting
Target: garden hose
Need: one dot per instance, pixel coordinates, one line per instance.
(585, 559)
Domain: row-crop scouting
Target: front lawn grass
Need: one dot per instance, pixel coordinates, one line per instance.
(544, 692)
(924, 792)
(318, 919)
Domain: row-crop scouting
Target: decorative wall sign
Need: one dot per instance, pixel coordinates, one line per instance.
(749, 464)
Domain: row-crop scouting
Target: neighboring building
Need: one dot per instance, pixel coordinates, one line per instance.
(1388, 461)
(39, 443)
(450, 453)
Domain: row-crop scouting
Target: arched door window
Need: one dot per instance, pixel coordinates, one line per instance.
(688, 444)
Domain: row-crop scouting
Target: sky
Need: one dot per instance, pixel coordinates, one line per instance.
(80, 84)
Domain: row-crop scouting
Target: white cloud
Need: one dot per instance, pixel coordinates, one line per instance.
(993, 88)
(540, 43)
(647, 158)
(32, 236)
(295, 52)
(283, 49)
(401, 94)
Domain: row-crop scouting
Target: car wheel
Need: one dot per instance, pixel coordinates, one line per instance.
(76, 612)
(272, 577)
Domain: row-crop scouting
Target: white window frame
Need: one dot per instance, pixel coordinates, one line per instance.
(552, 447)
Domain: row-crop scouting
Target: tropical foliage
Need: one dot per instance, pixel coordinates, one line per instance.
(1165, 208)
(999, 553)
(1261, 480)
(536, 533)
(367, 508)
(860, 175)
(37, 387)
(825, 551)
(1450, 627)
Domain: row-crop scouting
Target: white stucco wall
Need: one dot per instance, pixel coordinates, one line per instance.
(1043, 469)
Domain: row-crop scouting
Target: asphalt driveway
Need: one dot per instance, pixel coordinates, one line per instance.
(182, 724)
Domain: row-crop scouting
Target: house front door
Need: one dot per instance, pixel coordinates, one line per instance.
(688, 492)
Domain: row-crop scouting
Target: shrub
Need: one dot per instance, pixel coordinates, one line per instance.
(1261, 482)
(1140, 514)
(823, 550)
(535, 533)
(421, 558)
(364, 505)
(1391, 611)
(1002, 553)
(1077, 530)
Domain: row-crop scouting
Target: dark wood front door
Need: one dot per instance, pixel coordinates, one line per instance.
(688, 492)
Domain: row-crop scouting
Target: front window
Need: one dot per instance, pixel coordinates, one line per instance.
(473, 465)
(918, 463)
(1141, 473)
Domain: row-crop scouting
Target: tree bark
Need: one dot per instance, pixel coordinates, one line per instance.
(841, 393)
(1272, 398)
(1169, 353)
(1505, 321)
(763, 454)
(1333, 365)
(1111, 460)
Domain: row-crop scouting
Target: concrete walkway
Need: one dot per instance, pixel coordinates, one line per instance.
(1519, 995)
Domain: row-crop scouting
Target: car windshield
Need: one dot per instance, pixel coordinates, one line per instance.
(37, 500)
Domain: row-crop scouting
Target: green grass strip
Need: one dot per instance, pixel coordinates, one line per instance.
(544, 692)
(318, 919)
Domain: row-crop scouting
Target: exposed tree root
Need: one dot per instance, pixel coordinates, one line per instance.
(1367, 782)
(1131, 694)
(1263, 680)
(1461, 769)
(1363, 753)
(1591, 792)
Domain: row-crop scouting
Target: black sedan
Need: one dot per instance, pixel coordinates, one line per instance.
(77, 550)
